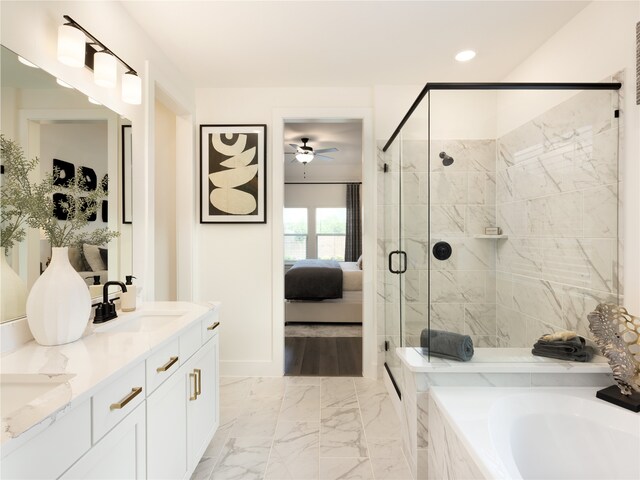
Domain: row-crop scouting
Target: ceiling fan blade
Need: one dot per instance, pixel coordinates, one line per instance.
(294, 145)
(326, 150)
(324, 157)
(290, 153)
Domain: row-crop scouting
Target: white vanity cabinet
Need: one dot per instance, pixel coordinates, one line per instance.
(120, 454)
(182, 414)
(202, 415)
(152, 418)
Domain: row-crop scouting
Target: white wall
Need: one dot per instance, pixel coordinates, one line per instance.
(165, 204)
(595, 44)
(233, 263)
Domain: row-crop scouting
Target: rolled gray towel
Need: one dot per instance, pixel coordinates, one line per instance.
(452, 346)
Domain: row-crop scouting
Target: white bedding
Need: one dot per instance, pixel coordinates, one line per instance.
(351, 277)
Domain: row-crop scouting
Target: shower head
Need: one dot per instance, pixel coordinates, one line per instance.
(446, 159)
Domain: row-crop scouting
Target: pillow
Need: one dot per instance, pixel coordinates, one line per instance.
(76, 260)
(359, 262)
(93, 258)
(104, 255)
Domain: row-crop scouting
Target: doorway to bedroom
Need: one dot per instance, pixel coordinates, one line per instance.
(323, 247)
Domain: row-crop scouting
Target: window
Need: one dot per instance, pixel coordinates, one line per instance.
(295, 234)
(331, 226)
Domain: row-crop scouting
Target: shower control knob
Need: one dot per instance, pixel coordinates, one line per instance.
(442, 250)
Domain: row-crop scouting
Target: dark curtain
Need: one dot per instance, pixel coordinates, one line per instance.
(353, 241)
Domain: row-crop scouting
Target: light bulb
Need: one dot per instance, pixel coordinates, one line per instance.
(63, 84)
(465, 55)
(131, 88)
(27, 62)
(105, 70)
(71, 46)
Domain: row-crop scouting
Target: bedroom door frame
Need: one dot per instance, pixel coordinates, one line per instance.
(365, 115)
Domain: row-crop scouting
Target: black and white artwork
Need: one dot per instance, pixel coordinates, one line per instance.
(84, 204)
(67, 172)
(90, 178)
(60, 206)
(232, 173)
(105, 211)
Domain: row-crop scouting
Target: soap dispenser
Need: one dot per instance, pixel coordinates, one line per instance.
(95, 290)
(128, 298)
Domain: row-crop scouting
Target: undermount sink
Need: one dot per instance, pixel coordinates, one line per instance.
(145, 322)
(18, 389)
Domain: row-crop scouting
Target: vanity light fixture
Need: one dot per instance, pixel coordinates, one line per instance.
(465, 55)
(105, 69)
(27, 62)
(71, 45)
(131, 88)
(75, 43)
(63, 84)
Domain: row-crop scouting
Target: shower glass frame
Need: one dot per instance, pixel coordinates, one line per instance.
(400, 135)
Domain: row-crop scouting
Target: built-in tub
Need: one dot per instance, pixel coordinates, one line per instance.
(542, 433)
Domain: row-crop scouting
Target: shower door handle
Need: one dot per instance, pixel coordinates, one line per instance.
(403, 261)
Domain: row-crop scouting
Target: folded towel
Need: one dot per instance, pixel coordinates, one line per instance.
(575, 349)
(452, 346)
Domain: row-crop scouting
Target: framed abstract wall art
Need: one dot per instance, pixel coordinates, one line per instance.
(233, 173)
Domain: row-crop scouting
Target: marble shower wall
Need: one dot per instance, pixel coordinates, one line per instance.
(557, 200)
(462, 204)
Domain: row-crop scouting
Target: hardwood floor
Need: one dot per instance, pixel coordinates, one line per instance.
(323, 356)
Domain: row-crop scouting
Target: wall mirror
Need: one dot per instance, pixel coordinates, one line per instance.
(58, 125)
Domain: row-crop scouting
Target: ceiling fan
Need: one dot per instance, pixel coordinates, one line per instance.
(304, 153)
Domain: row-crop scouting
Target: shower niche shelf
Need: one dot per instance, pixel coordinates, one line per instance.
(493, 237)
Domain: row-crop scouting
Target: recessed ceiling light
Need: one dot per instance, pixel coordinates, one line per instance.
(95, 102)
(26, 62)
(63, 84)
(465, 55)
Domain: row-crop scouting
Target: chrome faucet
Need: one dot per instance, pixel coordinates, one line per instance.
(107, 309)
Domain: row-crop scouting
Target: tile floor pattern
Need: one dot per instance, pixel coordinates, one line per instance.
(304, 428)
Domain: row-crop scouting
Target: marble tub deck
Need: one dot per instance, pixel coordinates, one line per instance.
(299, 428)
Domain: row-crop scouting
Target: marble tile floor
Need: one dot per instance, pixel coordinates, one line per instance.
(304, 428)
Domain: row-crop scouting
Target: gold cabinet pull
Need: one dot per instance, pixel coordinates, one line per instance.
(133, 394)
(214, 326)
(167, 365)
(199, 374)
(195, 387)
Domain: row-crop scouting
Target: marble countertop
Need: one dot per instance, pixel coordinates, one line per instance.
(81, 367)
(499, 360)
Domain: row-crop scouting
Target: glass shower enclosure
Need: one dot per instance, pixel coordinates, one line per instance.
(498, 215)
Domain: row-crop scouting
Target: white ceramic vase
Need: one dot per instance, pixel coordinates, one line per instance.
(59, 304)
(12, 289)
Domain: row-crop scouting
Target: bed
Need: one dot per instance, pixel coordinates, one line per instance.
(321, 291)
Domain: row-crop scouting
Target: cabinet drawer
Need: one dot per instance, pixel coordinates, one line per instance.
(117, 400)
(210, 325)
(54, 450)
(190, 342)
(162, 364)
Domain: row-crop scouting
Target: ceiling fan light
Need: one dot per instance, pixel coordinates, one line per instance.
(304, 157)
(71, 46)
